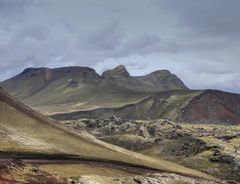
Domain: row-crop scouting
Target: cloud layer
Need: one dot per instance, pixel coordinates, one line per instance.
(199, 41)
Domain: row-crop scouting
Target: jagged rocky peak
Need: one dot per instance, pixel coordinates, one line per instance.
(161, 73)
(119, 71)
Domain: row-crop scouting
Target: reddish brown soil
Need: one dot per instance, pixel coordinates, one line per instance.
(212, 106)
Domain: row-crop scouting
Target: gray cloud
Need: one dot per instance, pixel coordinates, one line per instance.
(112, 41)
(35, 32)
(107, 38)
(199, 41)
(14, 9)
(215, 17)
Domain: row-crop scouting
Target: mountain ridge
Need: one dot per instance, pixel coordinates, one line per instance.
(80, 87)
(71, 92)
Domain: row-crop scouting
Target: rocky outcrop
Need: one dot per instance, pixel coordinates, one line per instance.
(140, 135)
(213, 149)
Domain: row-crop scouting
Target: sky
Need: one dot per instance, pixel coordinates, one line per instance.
(199, 41)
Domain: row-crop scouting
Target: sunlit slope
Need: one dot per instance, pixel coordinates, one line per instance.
(166, 104)
(193, 106)
(24, 130)
(59, 98)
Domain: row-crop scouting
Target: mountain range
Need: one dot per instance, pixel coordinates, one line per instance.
(115, 127)
(80, 92)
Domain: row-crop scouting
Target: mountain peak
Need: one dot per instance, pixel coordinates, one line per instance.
(161, 73)
(120, 67)
(165, 80)
(119, 71)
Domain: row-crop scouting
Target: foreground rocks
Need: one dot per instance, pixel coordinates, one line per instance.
(163, 178)
(18, 172)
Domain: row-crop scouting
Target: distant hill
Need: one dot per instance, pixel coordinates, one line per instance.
(80, 88)
(208, 106)
(77, 92)
(26, 134)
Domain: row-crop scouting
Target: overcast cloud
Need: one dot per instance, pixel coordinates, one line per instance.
(197, 40)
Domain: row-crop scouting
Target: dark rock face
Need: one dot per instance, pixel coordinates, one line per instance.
(222, 159)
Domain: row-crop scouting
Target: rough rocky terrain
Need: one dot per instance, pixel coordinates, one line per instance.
(213, 149)
(164, 178)
(17, 172)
